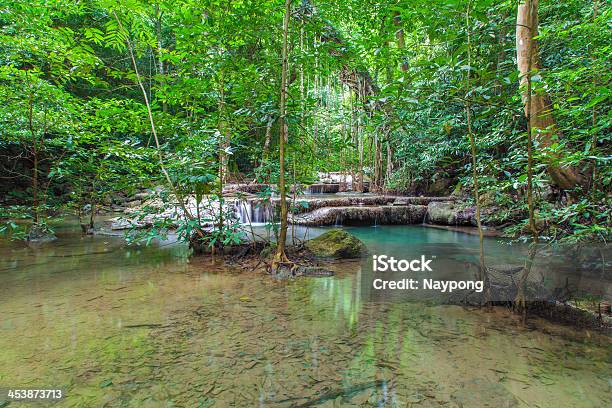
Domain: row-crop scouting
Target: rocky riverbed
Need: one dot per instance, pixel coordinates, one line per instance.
(307, 210)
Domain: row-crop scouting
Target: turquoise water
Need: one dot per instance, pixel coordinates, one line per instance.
(455, 256)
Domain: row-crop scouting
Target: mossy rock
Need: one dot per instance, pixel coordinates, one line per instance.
(40, 233)
(336, 243)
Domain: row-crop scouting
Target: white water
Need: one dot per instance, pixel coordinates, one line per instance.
(254, 213)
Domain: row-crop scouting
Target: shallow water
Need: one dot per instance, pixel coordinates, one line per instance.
(117, 326)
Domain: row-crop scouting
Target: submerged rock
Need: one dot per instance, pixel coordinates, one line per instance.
(286, 272)
(483, 393)
(450, 213)
(336, 243)
(40, 233)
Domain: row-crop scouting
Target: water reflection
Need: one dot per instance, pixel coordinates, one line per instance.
(147, 326)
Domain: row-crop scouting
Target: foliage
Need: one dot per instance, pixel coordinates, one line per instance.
(211, 71)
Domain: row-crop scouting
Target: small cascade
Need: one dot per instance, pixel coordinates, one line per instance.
(322, 188)
(243, 211)
(250, 212)
(338, 222)
(315, 189)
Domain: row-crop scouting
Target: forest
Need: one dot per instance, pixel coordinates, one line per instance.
(102, 97)
(150, 142)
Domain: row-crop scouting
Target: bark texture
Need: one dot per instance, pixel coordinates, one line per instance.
(280, 257)
(540, 114)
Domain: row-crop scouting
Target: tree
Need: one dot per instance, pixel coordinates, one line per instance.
(540, 110)
(280, 257)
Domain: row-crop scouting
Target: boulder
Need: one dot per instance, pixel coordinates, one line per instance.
(133, 204)
(144, 195)
(336, 243)
(40, 233)
(450, 213)
(439, 187)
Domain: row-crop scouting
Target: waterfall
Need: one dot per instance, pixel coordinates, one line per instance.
(253, 212)
(315, 189)
(321, 188)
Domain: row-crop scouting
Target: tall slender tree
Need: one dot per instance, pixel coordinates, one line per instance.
(482, 269)
(280, 257)
(529, 9)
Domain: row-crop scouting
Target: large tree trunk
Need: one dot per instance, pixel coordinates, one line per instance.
(540, 114)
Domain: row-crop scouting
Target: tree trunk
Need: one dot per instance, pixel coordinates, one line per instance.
(399, 35)
(35, 204)
(542, 120)
(280, 256)
(160, 61)
(224, 144)
(482, 269)
(266, 147)
(528, 99)
(377, 164)
(389, 162)
(177, 194)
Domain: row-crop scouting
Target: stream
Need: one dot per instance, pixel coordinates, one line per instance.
(114, 325)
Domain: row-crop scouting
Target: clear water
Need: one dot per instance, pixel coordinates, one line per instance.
(117, 326)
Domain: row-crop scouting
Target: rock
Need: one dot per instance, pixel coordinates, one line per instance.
(483, 393)
(439, 187)
(118, 198)
(450, 213)
(142, 196)
(120, 223)
(308, 204)
(363, 215)
(286, 272)
(40, 233)
(87, 229)
(252, 188)
(133, 204)
(336, 243)
(336, 177)
(324, 188)
(487, 199)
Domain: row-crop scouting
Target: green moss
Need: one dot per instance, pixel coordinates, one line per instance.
(336, 243)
